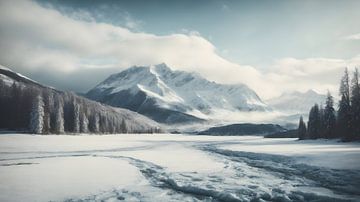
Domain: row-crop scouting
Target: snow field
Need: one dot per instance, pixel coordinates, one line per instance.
(167, 167)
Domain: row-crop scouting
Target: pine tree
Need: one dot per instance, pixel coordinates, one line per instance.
(344, 111)
(344, 85)
(37, 115)
(302, 129)
(314, 122)
(355, 106)
(329, 117)
(321, 121)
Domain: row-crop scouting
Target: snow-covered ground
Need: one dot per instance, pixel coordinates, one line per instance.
(170, 167)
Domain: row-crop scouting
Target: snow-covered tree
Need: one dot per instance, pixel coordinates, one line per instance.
(329, 119)
(37, 115)
(76, 117)
(301, 129)
(48, 107)
(96, 123)
(355, 106)
(59, 117)
(84, 123)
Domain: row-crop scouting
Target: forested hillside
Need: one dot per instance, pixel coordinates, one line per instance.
(29, 106)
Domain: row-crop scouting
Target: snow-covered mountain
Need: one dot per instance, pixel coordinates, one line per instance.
(173, 96)
(296, 102)
(58, 111)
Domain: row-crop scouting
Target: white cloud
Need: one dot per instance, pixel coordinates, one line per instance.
(38, 38)
(321, 74)
(353, 37)
(34, 38)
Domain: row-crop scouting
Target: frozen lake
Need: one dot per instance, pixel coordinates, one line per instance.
(169, 167)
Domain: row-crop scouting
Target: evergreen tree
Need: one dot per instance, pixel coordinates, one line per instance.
(344, 111)
(15, 115)
(355, 106)
(123, 126)
(329, 117)
(345, 86)
(321, 121)
(314, 122)
(37, 115)
(302, 129)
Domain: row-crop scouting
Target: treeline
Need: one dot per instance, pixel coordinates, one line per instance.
(326, 122)
(46, 110)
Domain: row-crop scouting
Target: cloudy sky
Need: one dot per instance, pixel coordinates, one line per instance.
(272, 46)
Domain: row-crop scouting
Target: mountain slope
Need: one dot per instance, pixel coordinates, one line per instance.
(173, 96)
(25, 103)
(297, 102)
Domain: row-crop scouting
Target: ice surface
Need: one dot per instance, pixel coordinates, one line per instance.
(167, 167)
(59, 178)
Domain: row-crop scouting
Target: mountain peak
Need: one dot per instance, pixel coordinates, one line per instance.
(162, 66)
(311, 92)
(160, 69)
(159, 87)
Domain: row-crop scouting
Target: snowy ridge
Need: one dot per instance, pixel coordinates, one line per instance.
(5, 68)
(18, 74)
(179, 91)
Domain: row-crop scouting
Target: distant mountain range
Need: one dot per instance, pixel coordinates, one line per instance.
(29, 106)
(296, 102)
(169, 96)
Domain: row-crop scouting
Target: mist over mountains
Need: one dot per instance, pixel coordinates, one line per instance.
(295, 101)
